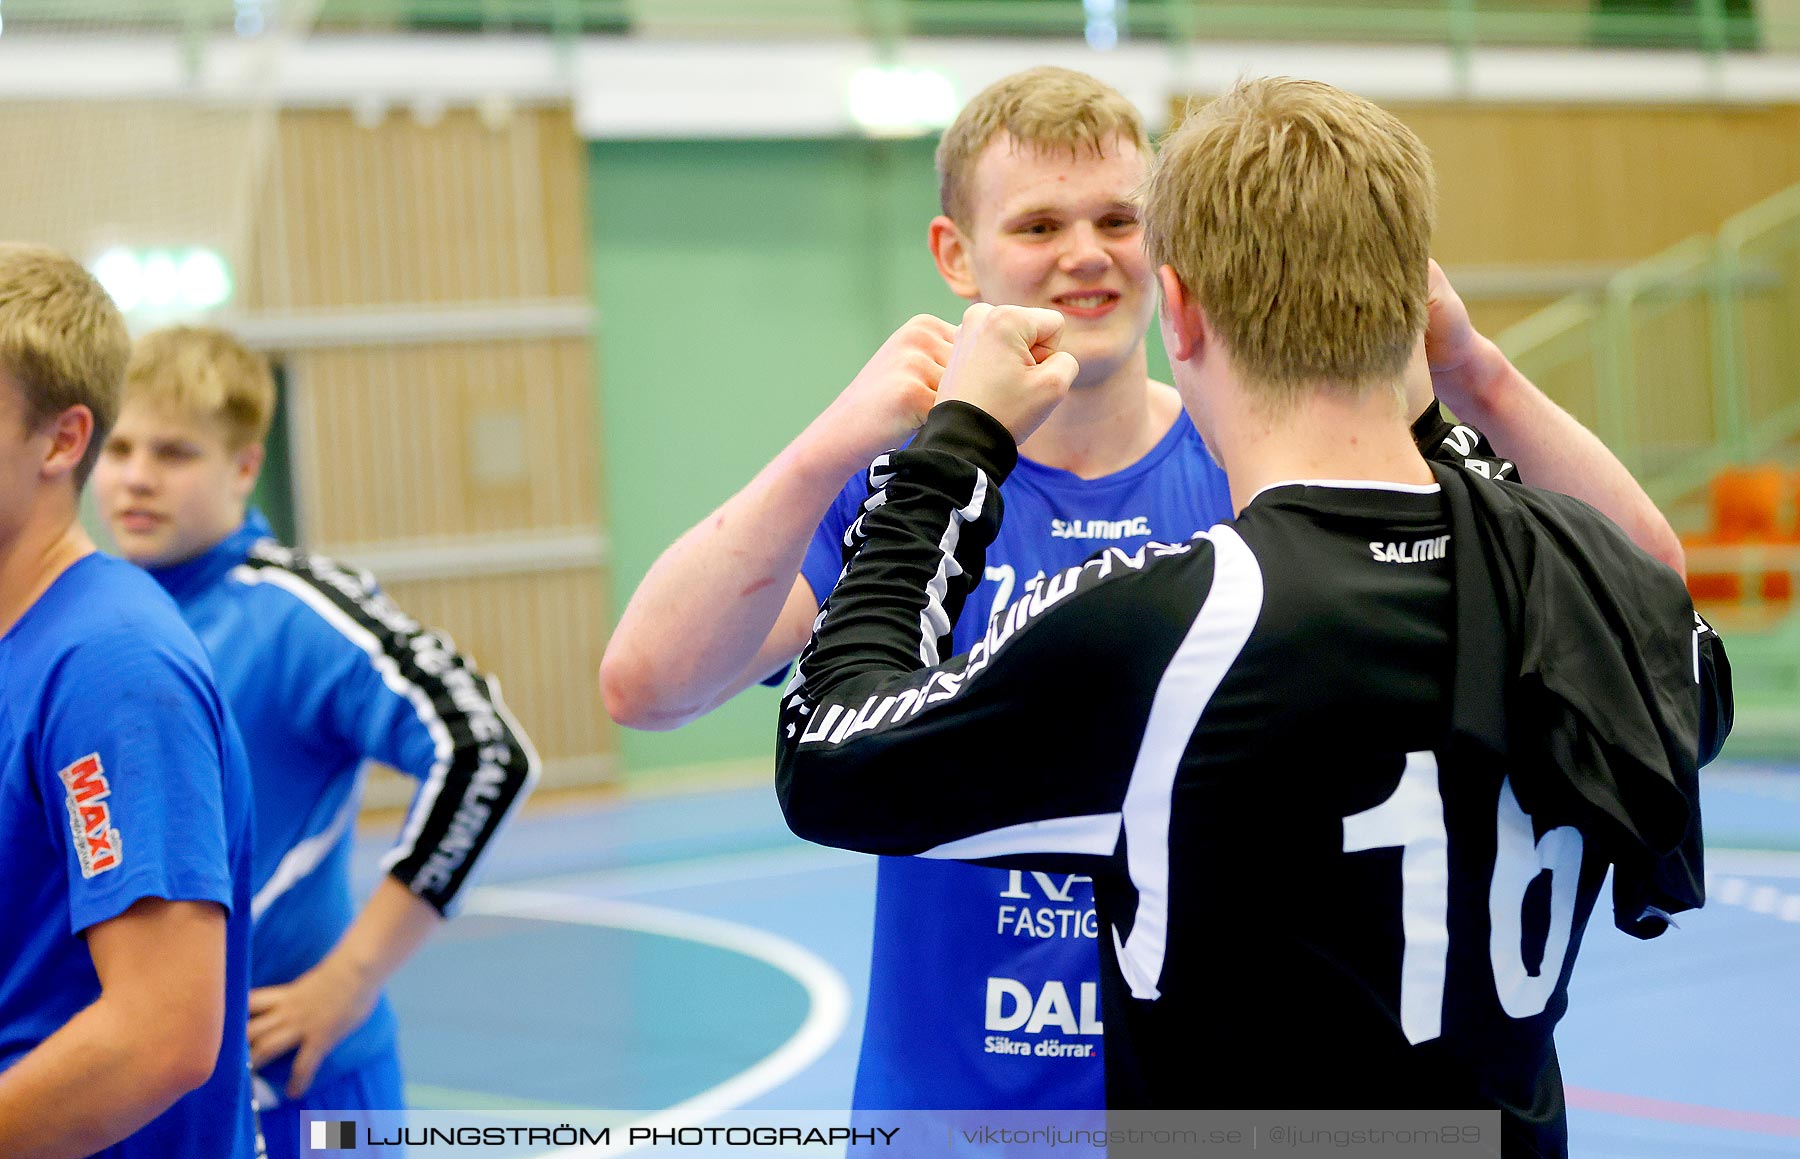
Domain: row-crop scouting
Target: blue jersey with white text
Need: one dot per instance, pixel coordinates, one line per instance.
(121, 778)
(984, 983)
(323, 672)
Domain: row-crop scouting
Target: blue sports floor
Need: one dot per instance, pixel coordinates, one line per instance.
(686, 952)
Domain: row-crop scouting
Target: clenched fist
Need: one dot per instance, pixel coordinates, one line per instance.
(1007, 363)
(888, 399)
(1457, 353)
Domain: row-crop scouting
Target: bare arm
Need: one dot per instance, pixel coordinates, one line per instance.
(723, 607)
(1473, 378)
(313, 1013)
(152, 1036)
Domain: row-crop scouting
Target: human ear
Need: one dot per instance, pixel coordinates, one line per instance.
(246, 464)
(69, 434)
(950, 249)
(1187, 324)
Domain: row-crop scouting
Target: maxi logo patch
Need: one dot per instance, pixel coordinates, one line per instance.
(98, 845)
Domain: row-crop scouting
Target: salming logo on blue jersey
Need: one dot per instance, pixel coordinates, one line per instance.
(1136, 526)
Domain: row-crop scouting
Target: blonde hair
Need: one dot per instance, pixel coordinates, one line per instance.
(1047, 108)
(1300, 217)
(62, 338)
(204, 372)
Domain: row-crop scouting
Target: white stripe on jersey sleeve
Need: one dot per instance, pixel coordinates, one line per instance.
(1097, 834)
(1211, 646)
(306, 855)
(934, 620)
(443, 747)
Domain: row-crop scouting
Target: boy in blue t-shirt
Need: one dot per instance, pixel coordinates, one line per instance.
(984, 983)
(124, 798)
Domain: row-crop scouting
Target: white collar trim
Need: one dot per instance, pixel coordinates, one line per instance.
(1352, 485)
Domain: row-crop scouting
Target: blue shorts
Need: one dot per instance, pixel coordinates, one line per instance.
(376, 1086)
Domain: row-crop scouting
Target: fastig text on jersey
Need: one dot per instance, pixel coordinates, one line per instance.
(1047, 905)
(1062, 1019)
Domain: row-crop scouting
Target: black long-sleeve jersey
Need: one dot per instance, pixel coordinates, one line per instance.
(1311, 895)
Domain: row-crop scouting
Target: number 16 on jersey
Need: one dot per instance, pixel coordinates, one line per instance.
(1412, 820)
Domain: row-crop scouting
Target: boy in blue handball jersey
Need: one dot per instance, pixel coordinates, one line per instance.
(124, 798)
(323, 673)
(984, 983)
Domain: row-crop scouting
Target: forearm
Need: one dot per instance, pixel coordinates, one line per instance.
(707, 605)
(312, 1014)
(888, 745)
(48, 1107)
(389, 930)
(1553, 450)
(856, 765)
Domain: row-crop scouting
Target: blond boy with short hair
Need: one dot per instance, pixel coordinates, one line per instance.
(323, 673)
(985, 983)
(1316, 757)
(124, 798)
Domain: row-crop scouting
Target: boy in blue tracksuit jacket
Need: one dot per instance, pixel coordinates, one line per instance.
(322, 672)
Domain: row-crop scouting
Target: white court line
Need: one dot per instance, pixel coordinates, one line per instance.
(828, 995)
(1755, 897)
(1754, 862)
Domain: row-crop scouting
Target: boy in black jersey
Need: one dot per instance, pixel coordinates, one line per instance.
(1316, 757)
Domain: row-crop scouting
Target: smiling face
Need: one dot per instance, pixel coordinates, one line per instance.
(169, 486)
(1059, 228)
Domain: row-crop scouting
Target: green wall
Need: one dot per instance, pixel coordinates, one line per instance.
(740, 285)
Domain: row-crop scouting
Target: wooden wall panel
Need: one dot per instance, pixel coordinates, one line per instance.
(1493, 315)
(542, 635)
(1524, 184)
(92, 174)
(403, 212)
(395, 430)
(562, 261)
(451, 442)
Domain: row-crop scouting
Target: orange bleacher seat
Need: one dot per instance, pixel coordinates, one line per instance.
(1747, 505)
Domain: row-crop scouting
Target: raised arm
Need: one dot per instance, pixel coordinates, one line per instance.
(887, 746)
(1471, 376)
(724, 606)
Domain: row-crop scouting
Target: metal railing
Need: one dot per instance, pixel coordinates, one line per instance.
(1687, 364)
(1713, 26)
